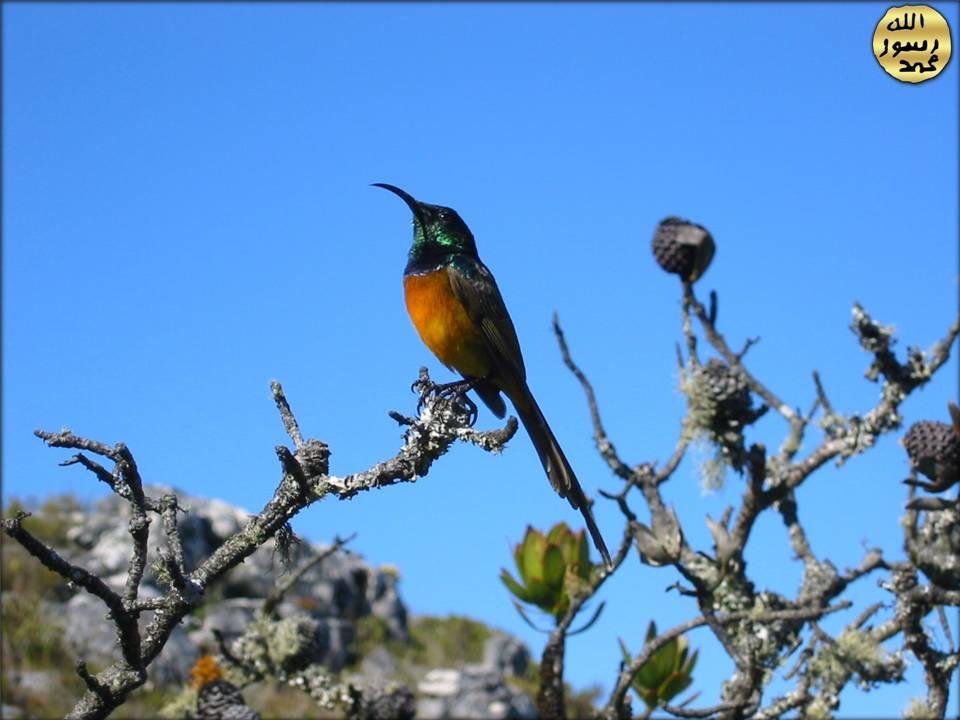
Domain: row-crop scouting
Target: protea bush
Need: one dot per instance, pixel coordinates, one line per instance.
(551, 568)
(668, 671)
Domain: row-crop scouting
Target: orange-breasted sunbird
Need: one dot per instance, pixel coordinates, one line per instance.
(458, 311)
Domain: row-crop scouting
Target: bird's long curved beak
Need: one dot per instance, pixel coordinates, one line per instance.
(406, 197)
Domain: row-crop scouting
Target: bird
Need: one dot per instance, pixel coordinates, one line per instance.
(459, 313)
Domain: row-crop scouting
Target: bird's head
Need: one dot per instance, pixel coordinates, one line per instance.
(437, 230)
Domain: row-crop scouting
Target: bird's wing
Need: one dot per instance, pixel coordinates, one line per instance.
(477, 291)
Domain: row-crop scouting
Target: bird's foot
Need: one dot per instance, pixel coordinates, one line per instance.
(454, 392)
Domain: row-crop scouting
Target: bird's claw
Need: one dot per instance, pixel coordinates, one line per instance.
(453, 392)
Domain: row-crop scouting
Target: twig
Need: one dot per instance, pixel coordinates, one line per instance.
(605, 447)
(705, 712)
(664, 473)
(168, 514)
(103, 475)
(718, 342)
(126, 623)
(93, 685)
(282, 588)
(286, 415)
(66, 439)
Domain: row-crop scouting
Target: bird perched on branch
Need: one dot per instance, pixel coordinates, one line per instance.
(457, 309)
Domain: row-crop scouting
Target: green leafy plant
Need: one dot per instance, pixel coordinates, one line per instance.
(551, 567)
(666, 673)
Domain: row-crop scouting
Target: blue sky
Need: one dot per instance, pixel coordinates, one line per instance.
(187, 215)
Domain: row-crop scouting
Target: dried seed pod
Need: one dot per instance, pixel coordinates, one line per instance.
(934, 450)
(683, 248)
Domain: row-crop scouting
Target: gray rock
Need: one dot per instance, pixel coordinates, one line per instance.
(341, 586)
(473, 692)
(378, 666)
(11, 712)
(102, 544)
(506, 655)
(38, 682)
(230, 617)
(440, 683)
(88, 632)
(485, 694)
(333, 637)
(431, 708)
(175, 660)
(90, 636)
(383, 702)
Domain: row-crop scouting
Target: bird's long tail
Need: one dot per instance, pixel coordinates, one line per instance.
(555, 463)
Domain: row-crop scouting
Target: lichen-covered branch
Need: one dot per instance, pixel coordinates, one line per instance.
(616, 707)
(755, 627)
(305, 479)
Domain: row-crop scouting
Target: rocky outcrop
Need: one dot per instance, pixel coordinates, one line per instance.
(333, 594)
(471, 693)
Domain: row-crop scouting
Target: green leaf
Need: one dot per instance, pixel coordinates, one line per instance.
(526, 619)
(659, 666)
(540, 595)
(647, 676)
(664, 661)
(561, 606)
(558, 534)
(648, 696)
(518, 560)
(651, 632)
(683, 647)
(589, 624)
(583, 564)
(554, 568)
(673, 686)
(518, 590)
(534, 545)
(626, 653)
(519, 552)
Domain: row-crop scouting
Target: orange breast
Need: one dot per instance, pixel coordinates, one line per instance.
(443, 324)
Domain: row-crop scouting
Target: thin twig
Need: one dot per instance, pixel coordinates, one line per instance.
(704, 712)
(280, 589)
(48, 557)
(286, 415)
(718, 342)
(605, 447)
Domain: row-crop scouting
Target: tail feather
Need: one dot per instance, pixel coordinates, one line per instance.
(556, 465)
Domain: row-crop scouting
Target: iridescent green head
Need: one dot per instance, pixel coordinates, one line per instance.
(437, 230)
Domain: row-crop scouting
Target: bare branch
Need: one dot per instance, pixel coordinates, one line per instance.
(289, 421)
(168, 513)
(707, 712)
(720, 345)
(103, 475)
(606, 448)
(282, 588)
(66, 439)
(126, 623)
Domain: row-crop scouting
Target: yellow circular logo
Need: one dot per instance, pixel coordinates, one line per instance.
(912, 43)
